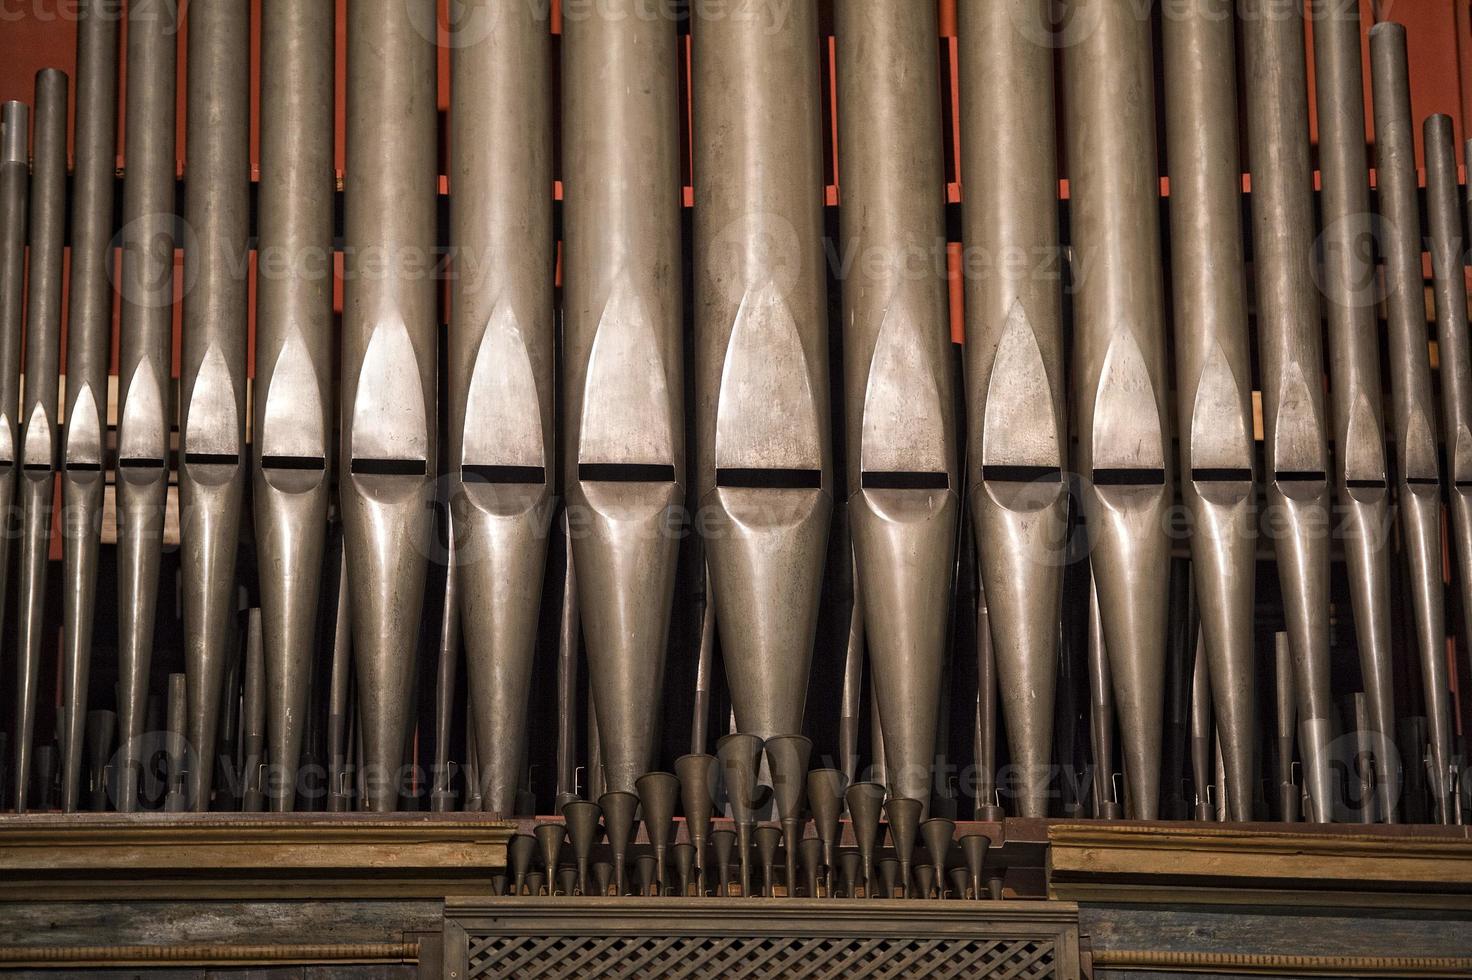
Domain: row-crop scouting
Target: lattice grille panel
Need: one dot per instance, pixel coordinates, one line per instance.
(572, 957)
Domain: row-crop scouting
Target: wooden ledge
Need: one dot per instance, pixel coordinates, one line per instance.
(47, 857)
(1422, 867)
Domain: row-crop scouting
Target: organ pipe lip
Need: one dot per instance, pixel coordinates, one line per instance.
(15, 120)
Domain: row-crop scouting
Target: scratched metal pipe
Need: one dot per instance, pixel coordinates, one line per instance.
(1214, 367)
(501, 368)
(253, 716)
(1292, 367)
(447, 665)
(623, 360)
(1413, 409)
(1349, 284)
(388, 364)
(15, 128)
(293, 417)
(88, 349)
(47, 226)
(765, 473)
(903, 475)
(851, 696)
(1124, 439)
(1448, 260)
(145, 360)
(212, 364)
(569, 645)
(1014, 365)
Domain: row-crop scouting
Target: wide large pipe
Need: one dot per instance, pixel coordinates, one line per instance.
(212, 363)
(293, 417)
(1413, 410)
(761, 332)
(1124, 441)
(388, 365)
(1349, 284)
(1017, 435)
(1214, 367)
(1291, 359)
(38, 438)
(1454, 352)
(902, 472)
(501, 367)
(145, 359)
(623, 360)
(88, 348)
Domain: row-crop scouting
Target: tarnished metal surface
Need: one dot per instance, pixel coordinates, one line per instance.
(501, 368)
(15, 129)
(903, 479)
(388, 366)
(1120, 371)
(1349, 286)
(623, 360)
(1214, 367)
(89, 346)
(762, 436)
(1014, 364)
(47, 226)
(1292, 364)
(293, 412)
(146, 289)
(1418, 490)
(212, 363)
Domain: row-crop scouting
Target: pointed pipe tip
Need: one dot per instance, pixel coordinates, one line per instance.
(938, 833)
(787, 760)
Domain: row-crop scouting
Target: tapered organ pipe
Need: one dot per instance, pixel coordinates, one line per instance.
(15, 127)
(47, 226)
(1214, 367)
(293, 395)
(145, 358)
(761, 333)
(1124, 441)
(1448, 251)
(1101, 714)
(1413, 409)
(1014, 365)
(903, 474)
(622, 360)
(388, 365)
(1349, 286)
(212, 365)
(89, 343)
(1291, 359)
(501, 369)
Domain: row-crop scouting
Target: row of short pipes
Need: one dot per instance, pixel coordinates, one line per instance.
(763, 477)
(703, 862)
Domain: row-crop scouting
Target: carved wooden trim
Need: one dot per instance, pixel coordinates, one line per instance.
(206, 955)
(1191, 863)
(1278, 964)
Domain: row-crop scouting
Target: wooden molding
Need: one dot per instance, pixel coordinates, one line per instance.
(1279, 964)
(1192, 863)
(197, 856)
(98, 957)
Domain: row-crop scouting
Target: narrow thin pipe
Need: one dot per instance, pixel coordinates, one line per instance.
(145, 359)
(88, 349)
(38, 439)
(1362, 490)
(1413, 409)
(15, 132)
